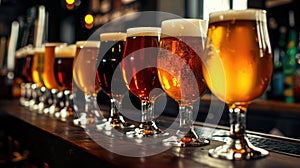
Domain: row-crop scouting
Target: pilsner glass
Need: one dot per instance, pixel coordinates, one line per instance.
(39, 54)
(63, 66)
(180, 74)
(27, 69)
(20, 78)
(111, 52)
(140, 73)
(51, 103)
(238, 68)
(84, 76)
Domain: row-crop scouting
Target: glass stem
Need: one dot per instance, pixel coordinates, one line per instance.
(92, 109)
(147, 111)
(237, 114)
(186, 116)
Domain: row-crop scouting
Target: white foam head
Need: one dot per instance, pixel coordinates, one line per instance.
(65, 51)
(113, 36)
(184, 27)
(247, 14)
(143, 31)
(24, 51)
(39, 49)
(55, 44)
(93, 44)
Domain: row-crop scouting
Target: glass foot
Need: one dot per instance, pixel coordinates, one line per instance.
(145, 129)
(238, 149)
(189, 139)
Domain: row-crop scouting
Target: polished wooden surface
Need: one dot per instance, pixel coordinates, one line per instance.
(61, 144)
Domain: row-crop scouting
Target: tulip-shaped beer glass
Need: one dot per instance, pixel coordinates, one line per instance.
(140, 73)
(237, 69)
(180, 74)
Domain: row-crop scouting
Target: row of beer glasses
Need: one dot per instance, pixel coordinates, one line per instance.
(235, 64)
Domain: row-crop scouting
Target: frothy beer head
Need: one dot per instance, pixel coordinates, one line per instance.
(113, 36)
(249, 14)
(65, 51)
(184, 27)
(143, 31)
(90, 44)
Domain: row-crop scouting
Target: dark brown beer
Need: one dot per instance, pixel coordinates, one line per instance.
(111, 49)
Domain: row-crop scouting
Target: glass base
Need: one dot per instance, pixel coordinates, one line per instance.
(115, 122)
(145, 129)
(238, 149)
(189, 139)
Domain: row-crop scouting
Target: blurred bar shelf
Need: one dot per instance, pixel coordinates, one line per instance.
(61, 144)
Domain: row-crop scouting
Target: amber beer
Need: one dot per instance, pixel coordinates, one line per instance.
(238, 68)
(140, 82)
(84, 71)
(63, 65)
(111, 49)
(47, 66)
(179, 61)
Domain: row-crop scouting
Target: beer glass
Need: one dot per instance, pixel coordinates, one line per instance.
(84, 76)
(180, 74)
(111, 52)
(140, 74)
(238, 68)
(27, 69)
(63, 67)
(39, 54)
(51, 104)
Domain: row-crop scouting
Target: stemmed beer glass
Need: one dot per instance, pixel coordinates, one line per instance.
(179, 71)
(237, 69)
(140, 74)
(111, 51)
(84, 76)
(63, 68)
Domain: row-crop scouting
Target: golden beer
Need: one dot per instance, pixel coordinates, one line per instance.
(37, 67)
(238, 68)
(84, 71)
(238, 60)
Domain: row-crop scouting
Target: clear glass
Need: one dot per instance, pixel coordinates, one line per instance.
(84, 76)
(111, 52)
(180, 74)
(238, 69)
(48, 79)
(63, 67)
(140, 74)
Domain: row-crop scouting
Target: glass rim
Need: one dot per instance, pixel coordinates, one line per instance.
(143, 31)
(184, 27)
(113, 36)
(88, 43)
(235, 14)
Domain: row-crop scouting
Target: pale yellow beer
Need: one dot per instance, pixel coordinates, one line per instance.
(84, 71)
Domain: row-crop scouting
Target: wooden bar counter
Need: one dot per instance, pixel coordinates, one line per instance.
(61, 145)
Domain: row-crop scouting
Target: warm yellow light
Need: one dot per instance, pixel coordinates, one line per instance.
(89, 19)
(70, 1)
